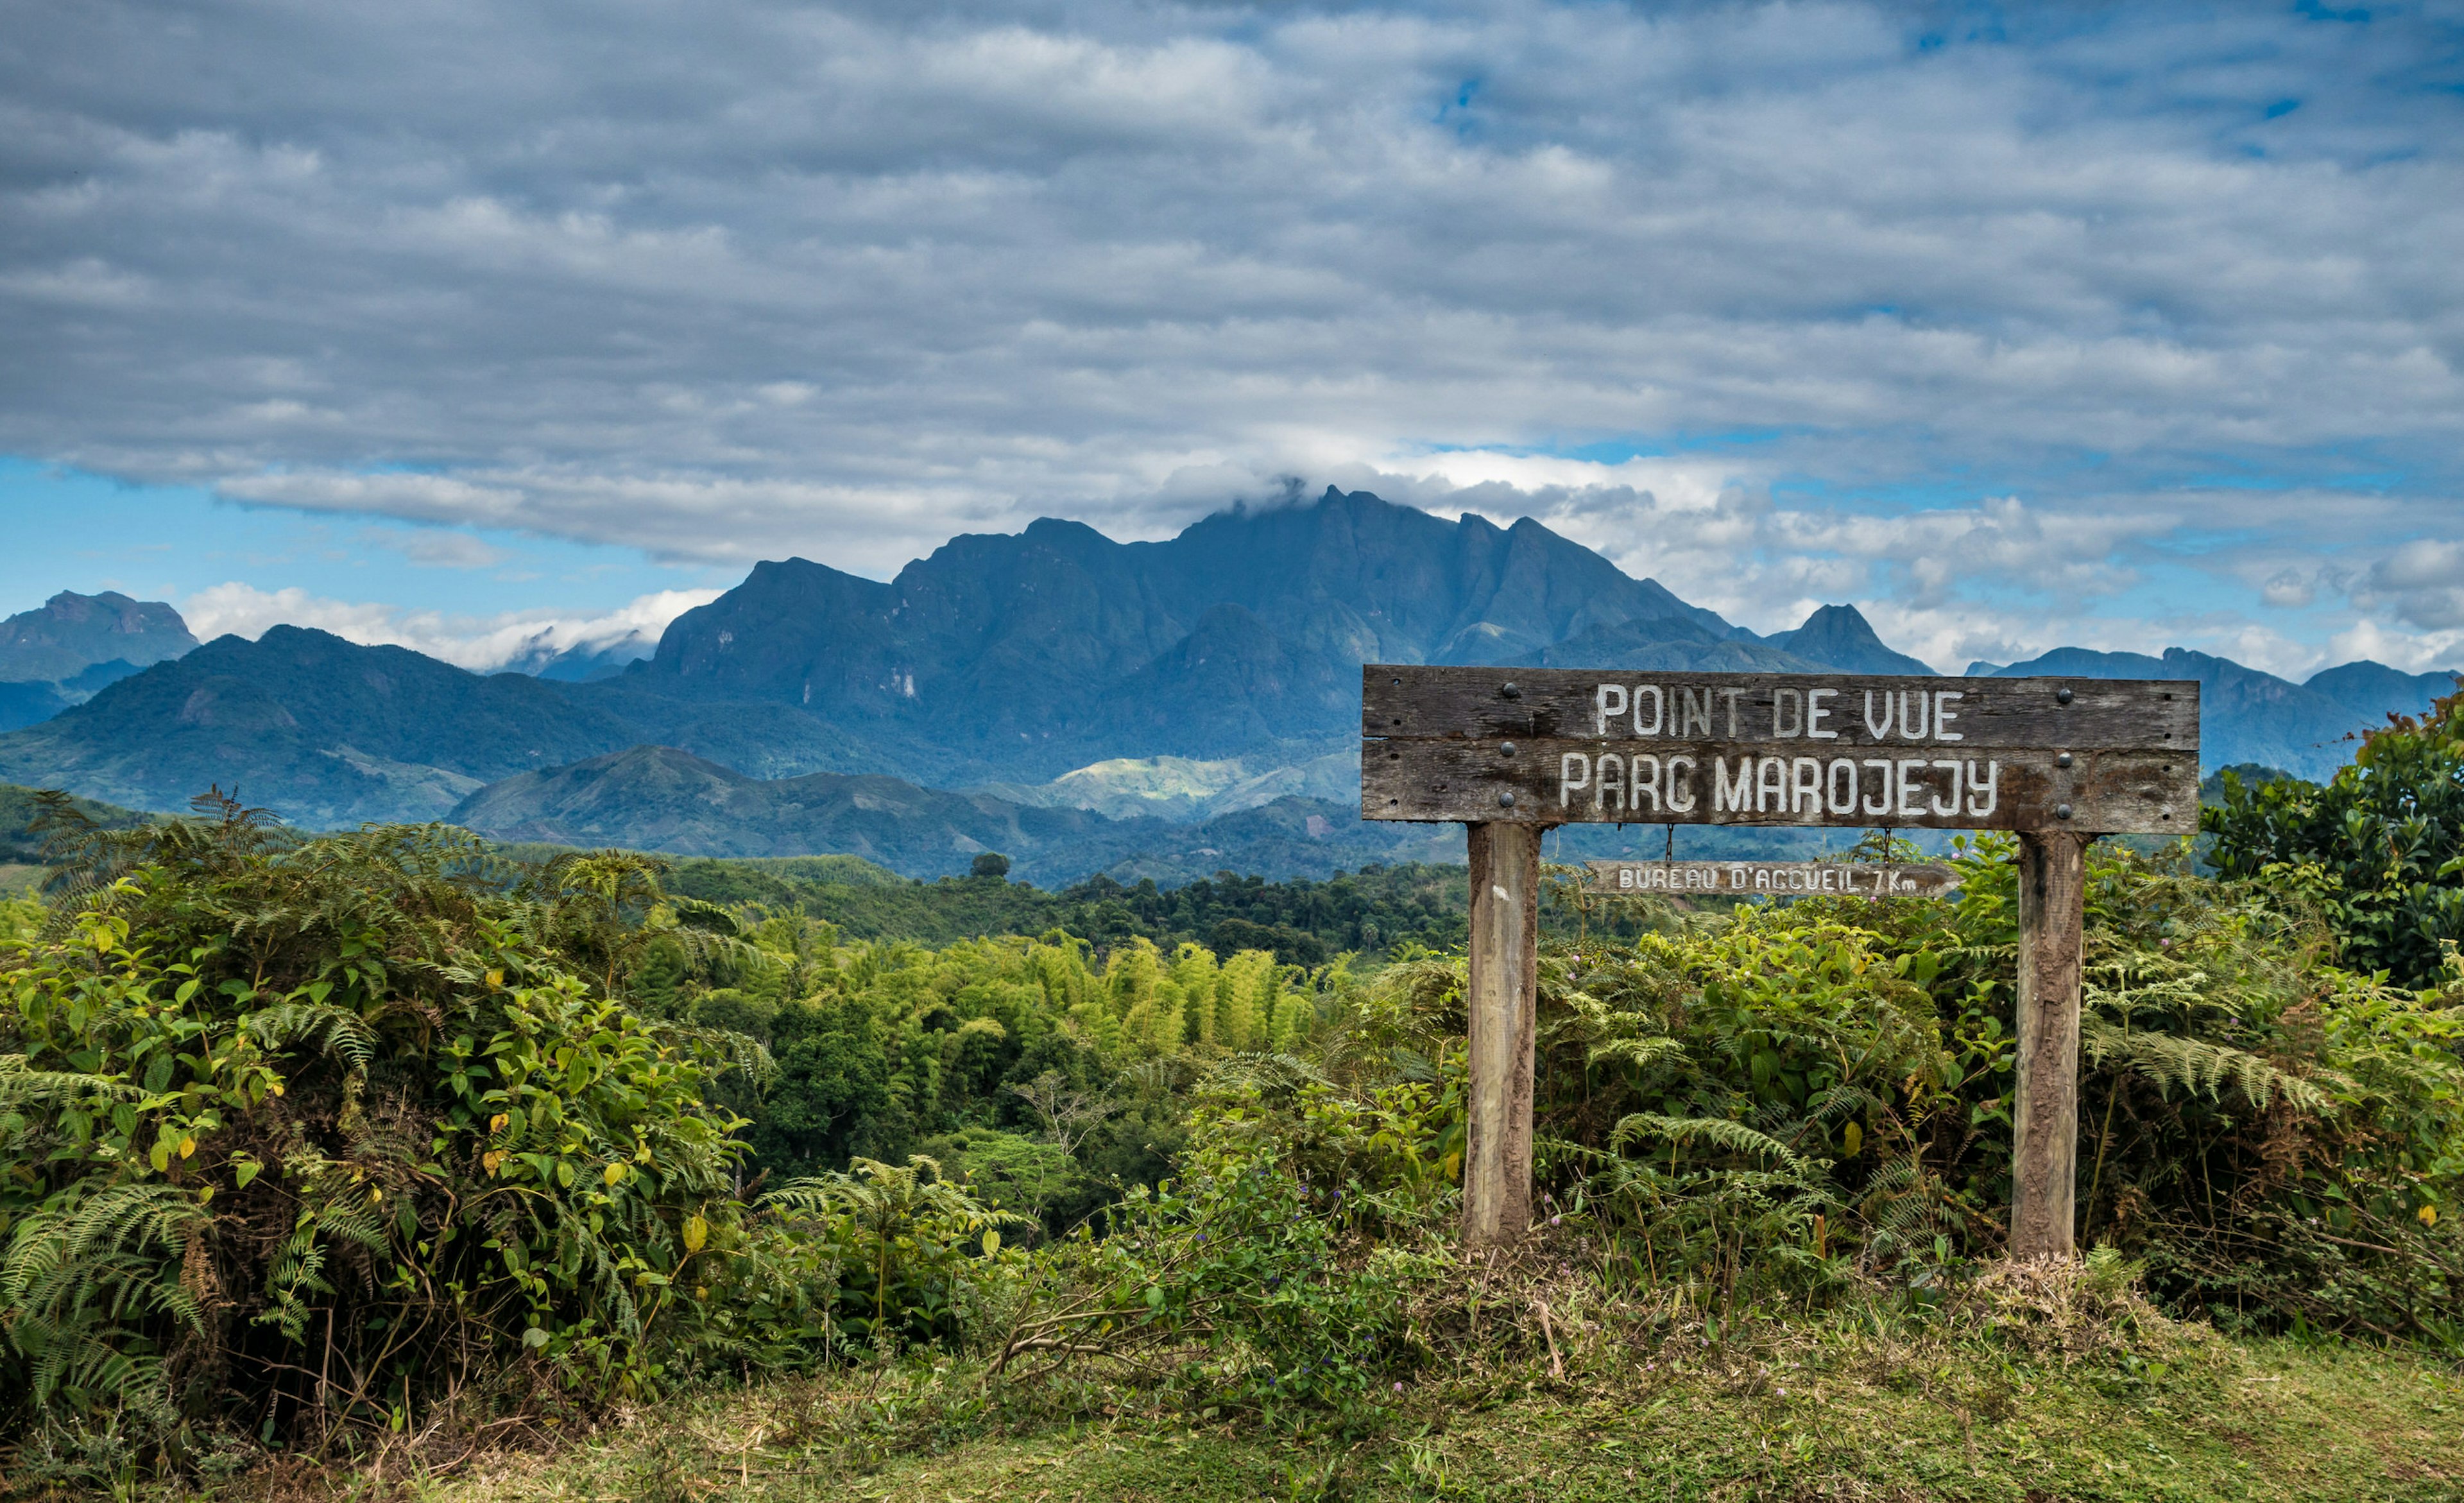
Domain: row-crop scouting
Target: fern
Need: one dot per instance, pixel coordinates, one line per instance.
(1720, 1133)
(82, 1279)
(338, 1031)
(2197, 1067)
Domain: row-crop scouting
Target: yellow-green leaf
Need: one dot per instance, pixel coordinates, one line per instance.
(614, 1175)
(187, 1146)
(564, 1175)
(992, 1240)
(245, 1170)
(696, 1234)
(1851, 1139)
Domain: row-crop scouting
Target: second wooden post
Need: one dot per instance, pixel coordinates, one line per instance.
(1501, 1000)
(2044, 1161)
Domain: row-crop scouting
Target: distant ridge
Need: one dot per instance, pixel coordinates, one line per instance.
(2248, 715)
(1211, 679)
(324, 731)
(70, 633)
(61, 653)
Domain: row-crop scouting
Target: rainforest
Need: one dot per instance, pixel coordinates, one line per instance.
(391, 1152)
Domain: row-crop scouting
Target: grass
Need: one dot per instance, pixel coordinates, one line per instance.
(1834, 1407)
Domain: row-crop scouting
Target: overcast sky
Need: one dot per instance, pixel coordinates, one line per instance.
(2124, 325)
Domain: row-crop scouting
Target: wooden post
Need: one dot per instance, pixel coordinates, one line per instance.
(1501, 1000)
(2044, 1166)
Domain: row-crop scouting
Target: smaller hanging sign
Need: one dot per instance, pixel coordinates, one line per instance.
(1771, 878)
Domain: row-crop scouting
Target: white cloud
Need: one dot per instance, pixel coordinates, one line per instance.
(2424, 579)
(483, 643)
(2415, 652)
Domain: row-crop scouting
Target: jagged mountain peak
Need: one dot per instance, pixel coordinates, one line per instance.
(1026, 653)
(1840, 636)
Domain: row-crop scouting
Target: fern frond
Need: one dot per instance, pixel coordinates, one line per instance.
(2170, 1061)
(77, 1277)
(338, 1030)
(1718, 1132)
(1638, 1053)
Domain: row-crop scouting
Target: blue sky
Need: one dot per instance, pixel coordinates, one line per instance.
(452, 591)
(2123, 326)
(71, 530)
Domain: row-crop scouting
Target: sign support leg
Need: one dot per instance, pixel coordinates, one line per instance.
(2044, 1169)
(1501, 1001)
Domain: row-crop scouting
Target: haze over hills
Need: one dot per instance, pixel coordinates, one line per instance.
(1097, 700)
(660, 799)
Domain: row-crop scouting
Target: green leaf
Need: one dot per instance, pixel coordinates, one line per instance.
(244, 1170)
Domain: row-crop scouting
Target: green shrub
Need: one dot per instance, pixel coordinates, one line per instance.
(2379, 849)
(339, 1107)
(1282, 1268)
(906, 1242)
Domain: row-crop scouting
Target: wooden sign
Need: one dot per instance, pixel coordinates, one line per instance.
(1510, 752)
(1770, 879)
(1553, 746)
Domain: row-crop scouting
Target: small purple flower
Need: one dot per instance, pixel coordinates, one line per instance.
(1557, 1221)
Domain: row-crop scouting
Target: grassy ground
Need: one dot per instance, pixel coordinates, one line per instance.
(1834, 1411)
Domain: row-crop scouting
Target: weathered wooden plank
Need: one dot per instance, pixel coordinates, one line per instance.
(1770, 879)
(1818, 711)
(1558, 780)
(2044, 1146)
(1502, 1003)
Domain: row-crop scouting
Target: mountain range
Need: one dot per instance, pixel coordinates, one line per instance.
(1084, 702)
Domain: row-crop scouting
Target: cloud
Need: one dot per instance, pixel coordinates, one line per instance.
(1860, 297)
(2414, 651)
(430, 548)
(2423, 578)
(522, 639)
